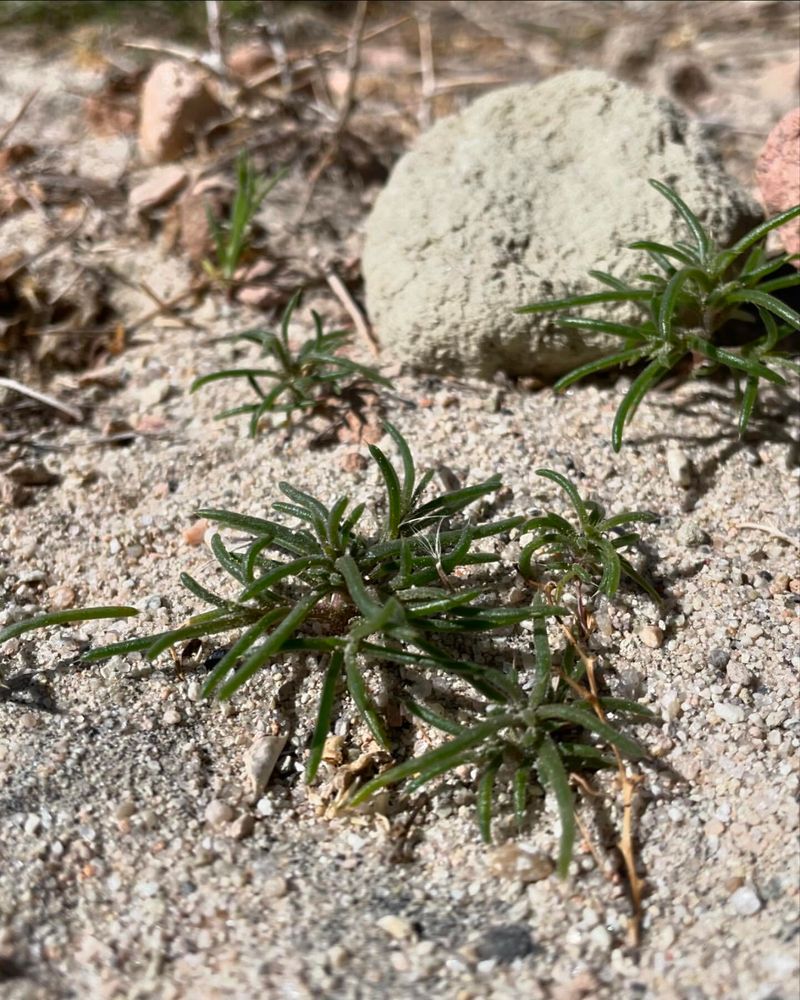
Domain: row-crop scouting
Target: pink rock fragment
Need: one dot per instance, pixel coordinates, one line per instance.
(175, 104)
(159, 186)
(778, 177)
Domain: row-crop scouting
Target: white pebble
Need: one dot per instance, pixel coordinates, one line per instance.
(395, 927)
(218, 812)
(260, 759)
(732, 714)
(745, 901)
(679, 467)
(652, 636)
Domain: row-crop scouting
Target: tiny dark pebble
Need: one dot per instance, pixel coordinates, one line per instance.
(505, 943)
(719, 658)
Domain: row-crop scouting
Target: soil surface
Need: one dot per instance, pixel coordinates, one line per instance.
(134, 859)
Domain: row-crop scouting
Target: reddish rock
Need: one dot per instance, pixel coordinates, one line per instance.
(778, 176)
(248, 59)
(175, 104)
(254, 290)
(159, 186)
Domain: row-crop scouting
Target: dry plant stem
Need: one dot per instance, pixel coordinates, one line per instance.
(213, 18)
(169, 305)
(182, 54)
(427, 73)
(364, 328)
(769, 530)
(17, 117)
(352, 67)
(69, 411)
(628, 783)
(321, 53)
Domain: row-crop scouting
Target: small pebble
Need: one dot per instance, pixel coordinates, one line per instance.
(745, 901)
(719, 657)
(511, 861)
(260, 759)
(218, 812)
(679, 467)
(196, 532)
(172, 717)
(652, 636)
(396, 927)
(242, 827)
(732, 714)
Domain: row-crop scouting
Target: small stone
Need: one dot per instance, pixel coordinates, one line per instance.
(260, 759)
(353, 461)
(159, 186)
(505, 943)
(33, 825)
(679, 467)
(176, 104)
(395, 927)
(745, 901)
(249, 58)
(196, 532)
(779, 585)
(737, 673)
(125, 809)
(253, 289)
(154, 393)
(692, 535)
(730, 713)
(779, 179)
(714, 828)
(275, 888)
(172, 717)
(242, 827)
(218, 813)
(652, 636)
(718, 657)
(671, 704)
(32, 474)
(511, 861)
(61, 598)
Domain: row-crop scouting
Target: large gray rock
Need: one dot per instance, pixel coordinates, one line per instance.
(513, 201)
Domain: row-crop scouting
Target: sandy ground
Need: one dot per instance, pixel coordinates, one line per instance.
(116, 880)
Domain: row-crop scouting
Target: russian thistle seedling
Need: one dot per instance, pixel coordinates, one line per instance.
(231, 238)
(696, 289)
(295, 381)
(587, 554)
(542, 730)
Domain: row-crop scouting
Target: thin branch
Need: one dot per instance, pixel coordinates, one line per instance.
(70, 411)
(17, 117)
(362, 325)
(427, 73)
(769, 530)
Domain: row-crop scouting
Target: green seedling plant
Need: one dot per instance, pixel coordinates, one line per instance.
(401, 593)
(586, 555)
(695, 290)
(542, 731)
(296, 380)
(358, 597)
(232, 237)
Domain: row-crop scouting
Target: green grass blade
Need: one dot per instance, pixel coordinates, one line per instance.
(768, 302)
(585, 717)
(726, 258)
(272, 645)
(701, 237)
(569, 489)
(64, 618)
(324, 713)
(485, 796)
(577, 301)
(619, 359)
(240, 647)
(362, 701)
(393, 493)
(553, 774)
(453, 748)
(630, 402)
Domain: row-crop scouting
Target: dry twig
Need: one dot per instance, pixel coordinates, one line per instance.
(17, 117)
(362, 325)
(69, 411)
